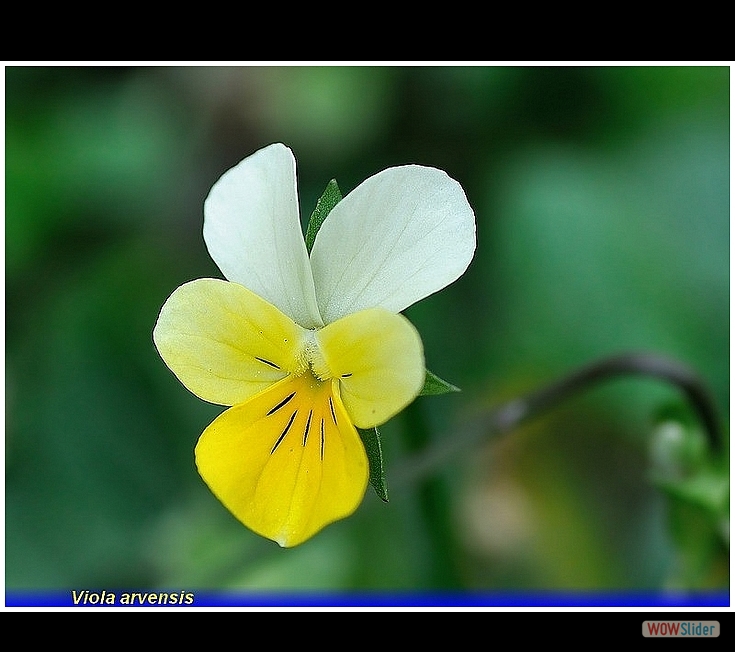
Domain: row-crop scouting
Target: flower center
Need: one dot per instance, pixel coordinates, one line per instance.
(311, 358)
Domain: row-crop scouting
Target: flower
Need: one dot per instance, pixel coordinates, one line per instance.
(304, 349)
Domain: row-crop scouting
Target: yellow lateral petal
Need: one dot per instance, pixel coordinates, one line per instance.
(379, 361)
(287, 462)
(225, 343)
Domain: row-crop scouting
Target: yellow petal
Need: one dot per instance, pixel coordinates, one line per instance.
(225, 343)
(379, 361)
(287, 462)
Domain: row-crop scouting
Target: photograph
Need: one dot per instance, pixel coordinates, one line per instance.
(371, 336)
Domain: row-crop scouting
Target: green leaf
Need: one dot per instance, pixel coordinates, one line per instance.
(371, 440)
(329, 199)
(707, 489)
(433, 385)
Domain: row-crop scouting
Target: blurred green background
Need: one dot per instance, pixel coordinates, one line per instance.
(602, 203)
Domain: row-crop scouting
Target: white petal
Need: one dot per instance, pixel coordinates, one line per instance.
(400, 236)
(253, 232)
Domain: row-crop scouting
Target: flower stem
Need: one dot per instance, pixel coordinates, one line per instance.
(517, 411)
(434, 501)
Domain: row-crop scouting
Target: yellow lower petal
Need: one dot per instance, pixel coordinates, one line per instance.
(288, 461)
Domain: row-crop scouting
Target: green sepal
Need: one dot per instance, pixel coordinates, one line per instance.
(329, 199)
(374, 449)
(433, 385)
(685, 469)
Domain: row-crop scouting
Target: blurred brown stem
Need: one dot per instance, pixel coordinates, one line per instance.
(517, 411)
